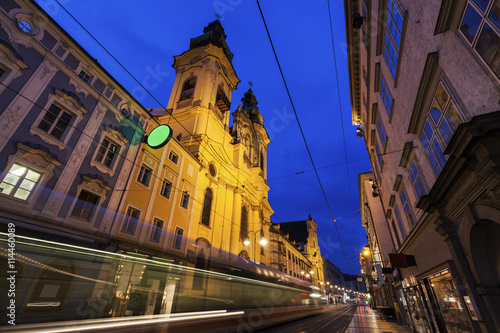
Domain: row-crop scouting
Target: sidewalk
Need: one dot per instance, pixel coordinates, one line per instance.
(366, 320)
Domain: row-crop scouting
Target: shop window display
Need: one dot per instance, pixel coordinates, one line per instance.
(417, 310)
(450, 303)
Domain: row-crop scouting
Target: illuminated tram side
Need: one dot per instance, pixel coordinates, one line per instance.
(59, 282)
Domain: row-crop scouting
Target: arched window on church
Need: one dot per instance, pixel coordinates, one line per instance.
(188, 89)
(244, 223)
(248, 144)
(207, 207)
(262, 161)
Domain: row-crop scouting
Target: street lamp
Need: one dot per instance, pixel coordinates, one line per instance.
(262, 242)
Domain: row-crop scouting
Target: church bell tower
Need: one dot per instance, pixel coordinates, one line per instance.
(205, 79)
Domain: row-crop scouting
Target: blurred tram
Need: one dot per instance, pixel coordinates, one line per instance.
(58, 286)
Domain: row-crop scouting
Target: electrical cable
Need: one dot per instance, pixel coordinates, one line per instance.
(298, 122)
(337, 164)
(123, 156)
(135, 79)
(340, 107)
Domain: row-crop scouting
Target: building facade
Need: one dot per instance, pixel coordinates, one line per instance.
(70, 134)
(374, 258)
(77, 170)
(424, 83)
(304, 236)
(287, 257)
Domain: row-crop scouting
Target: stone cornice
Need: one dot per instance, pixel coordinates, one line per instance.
(353, 60)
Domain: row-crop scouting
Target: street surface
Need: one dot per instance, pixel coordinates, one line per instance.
(335, 319)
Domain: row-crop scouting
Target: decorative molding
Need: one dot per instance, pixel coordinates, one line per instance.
(12, 116)
(8, 53)
(95, 184)
(406, 156)
(398, 183)
(34, 130)
(429, 76)
(80, 87)
(392, 200)
(71, 100)
(382, 11)
(37, 157)
(102, 168)
(447, 13)
(378, 77)
(374, 113)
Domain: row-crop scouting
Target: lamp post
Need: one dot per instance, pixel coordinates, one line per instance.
(262, 242)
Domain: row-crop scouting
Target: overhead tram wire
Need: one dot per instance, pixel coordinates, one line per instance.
(300, 127)
(336, 164)
(340, 105)
(118, 154)
(137, 81)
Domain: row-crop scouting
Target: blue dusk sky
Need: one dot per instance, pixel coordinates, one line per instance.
(145, 35)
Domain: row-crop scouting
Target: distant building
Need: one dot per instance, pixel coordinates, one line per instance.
(304, 236)
(332, 278)
(375, 256)
(425, 87)
(287, 257)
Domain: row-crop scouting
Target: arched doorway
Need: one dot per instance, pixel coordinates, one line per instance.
(485, 251)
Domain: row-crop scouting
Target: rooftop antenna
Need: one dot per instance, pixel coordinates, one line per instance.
(219, 16)
(250, 83)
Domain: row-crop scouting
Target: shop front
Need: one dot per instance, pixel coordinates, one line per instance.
(449, 313)
(434, 304)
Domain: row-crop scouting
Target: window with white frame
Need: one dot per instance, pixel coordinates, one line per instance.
(85, 205)
(145, 175)
(386, 97)
(166, 189)
(56, 125)
(481, 27)
(55, 122)
(131, 221)
(441, 122)
(173, 157)
(416, 180)
(86, 77)
(177, 242)
(185, 199)
(393, 29)
(156, 230)
(405, 203)
(107, 152)
(20, 182)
